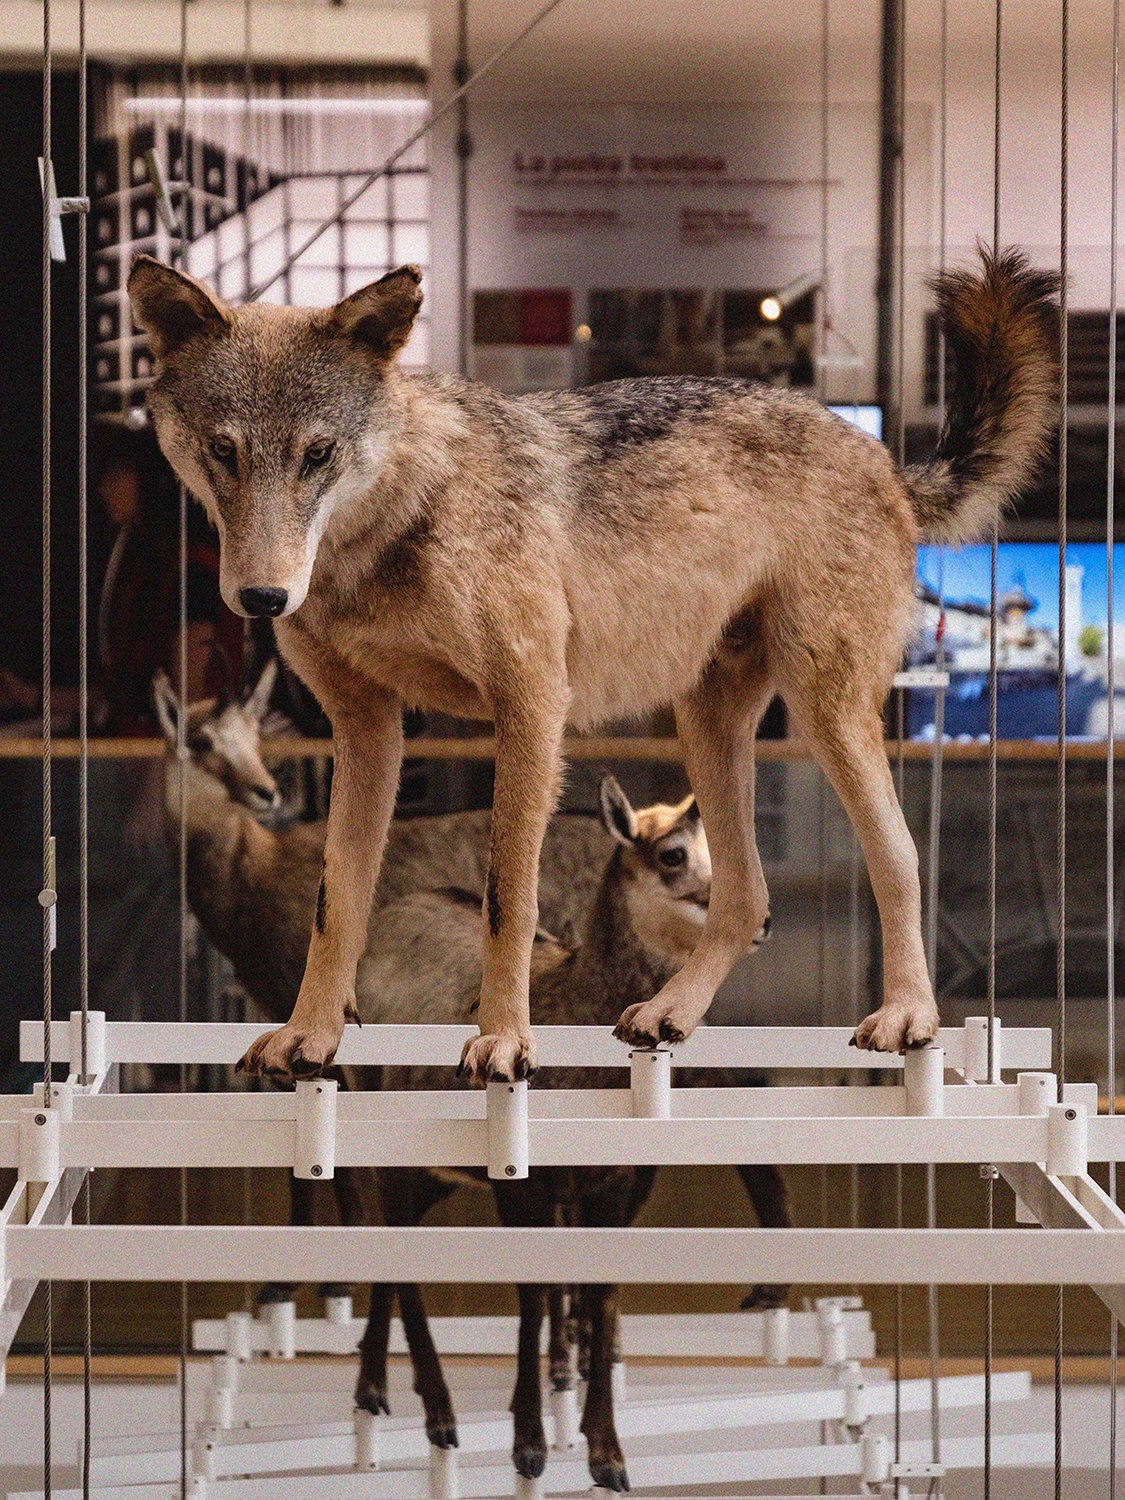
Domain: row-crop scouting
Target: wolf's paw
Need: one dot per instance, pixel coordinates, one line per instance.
(294, 1051)
(654, 1021)
(503, 1058)
(898, 1027)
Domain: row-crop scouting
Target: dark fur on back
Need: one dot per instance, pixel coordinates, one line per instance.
(1001, 326)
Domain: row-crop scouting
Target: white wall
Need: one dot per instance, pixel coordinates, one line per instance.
(751, 56)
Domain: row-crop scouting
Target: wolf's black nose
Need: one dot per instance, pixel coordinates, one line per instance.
(263, 601)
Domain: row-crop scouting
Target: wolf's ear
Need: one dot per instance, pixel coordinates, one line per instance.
(170, 306)
(617, 813)
(380, 316)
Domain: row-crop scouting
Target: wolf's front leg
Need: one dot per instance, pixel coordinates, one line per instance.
(528, 757)
(368, 757)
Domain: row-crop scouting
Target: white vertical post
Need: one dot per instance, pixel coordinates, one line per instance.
(976, 1050)
(1067, 1140)
(775, 1336)
(650, 1081)
(315, 1152)
(281, 1319)
(564, 1410)
(924, 1078)
(39, 1145)
(238, 1330)
(203, 1459)
(876, 1458)
(95, 1042)
(1036, 1091)
(833, 1335)
(528, 1488)
(368, 1439)
(857, 1409)
(220, 1395)
(506, 1124)
(618, 1381)
(445, 1478)
(338, 1310)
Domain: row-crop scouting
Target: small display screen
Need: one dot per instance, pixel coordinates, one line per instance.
(954, 601)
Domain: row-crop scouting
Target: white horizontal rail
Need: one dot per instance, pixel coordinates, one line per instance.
(945, 1257)
(286, 1449)
(738, 1335)
(422, 1142)
(651, 1472)
(817, 1101)
(558, 1046)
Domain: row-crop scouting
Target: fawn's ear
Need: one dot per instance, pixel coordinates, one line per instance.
(381, 315)
(172, 307)
(689, 810)
(167, 705)
(259, 699)
(617, 813)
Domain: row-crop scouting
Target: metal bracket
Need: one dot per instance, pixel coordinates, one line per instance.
(57, 207)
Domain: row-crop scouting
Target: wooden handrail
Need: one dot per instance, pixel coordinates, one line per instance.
(662, 749)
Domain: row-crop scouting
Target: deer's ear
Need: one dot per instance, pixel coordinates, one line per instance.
(617, 813)
(259, 699)
(381, 315)
(172, 307)
(167, 705)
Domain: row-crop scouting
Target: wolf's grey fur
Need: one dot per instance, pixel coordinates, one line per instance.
(570, 557)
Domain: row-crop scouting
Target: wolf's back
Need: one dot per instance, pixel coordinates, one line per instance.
(1001, 326)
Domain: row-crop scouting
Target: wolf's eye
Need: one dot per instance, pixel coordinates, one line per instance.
(316, 456)
(672, 858)
(222, 449)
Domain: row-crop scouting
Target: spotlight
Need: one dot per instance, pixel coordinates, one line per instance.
(772, 306)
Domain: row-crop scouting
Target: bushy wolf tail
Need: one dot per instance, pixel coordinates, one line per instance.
(1001, 325)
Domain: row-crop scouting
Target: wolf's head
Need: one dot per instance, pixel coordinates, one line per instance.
(274, 417)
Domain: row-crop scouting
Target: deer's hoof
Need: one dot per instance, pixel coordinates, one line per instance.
(609, 1474)
(442, 1432)
(373, 1398)
(530, 1458)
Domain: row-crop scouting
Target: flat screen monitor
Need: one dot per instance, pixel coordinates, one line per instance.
(1027, 591)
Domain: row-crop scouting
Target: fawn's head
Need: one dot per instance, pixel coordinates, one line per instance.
(274, 417)
(224, 739)
(665, 866)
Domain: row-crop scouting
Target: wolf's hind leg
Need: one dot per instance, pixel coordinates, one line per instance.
(842, 718)
(716, 723)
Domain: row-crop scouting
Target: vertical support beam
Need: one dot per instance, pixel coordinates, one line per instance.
(564, 1410)
(775, 1336)
(315, 1153)
(506, 1111)
(924, 1079)
(650, 1081)
(368, 1439)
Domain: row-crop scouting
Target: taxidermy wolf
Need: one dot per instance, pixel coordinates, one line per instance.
(570, 556)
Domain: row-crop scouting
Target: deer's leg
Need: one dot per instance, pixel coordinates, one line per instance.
(530, 706)
(716, 723)
(607, 1462)
(368, 757)
(560, 1342)
(429, 1379)
(522, 1206)
(840, 712)
(770, 1199)
(406, 1196)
